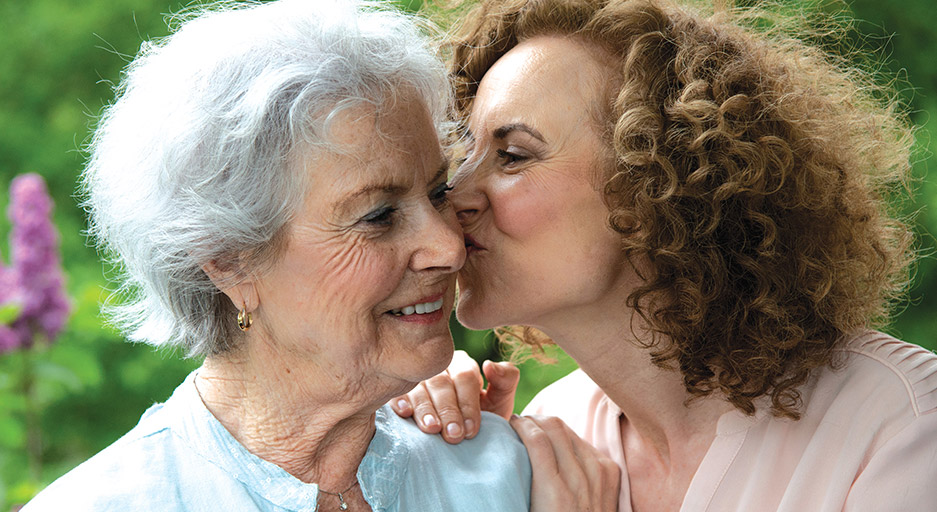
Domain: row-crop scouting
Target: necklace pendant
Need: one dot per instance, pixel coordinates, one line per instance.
(343, 506)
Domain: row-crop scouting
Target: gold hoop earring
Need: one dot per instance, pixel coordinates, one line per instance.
(244, 319)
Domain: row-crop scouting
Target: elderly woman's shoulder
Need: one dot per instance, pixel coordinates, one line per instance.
(488, 472)
(124, 476)
(151, 467)
(496, 440)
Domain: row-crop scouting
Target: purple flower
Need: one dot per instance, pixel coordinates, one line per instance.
(36, 266)
(9, 294)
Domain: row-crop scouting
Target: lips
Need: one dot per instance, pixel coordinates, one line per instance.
(472, 245)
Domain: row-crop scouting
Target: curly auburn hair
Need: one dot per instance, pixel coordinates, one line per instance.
(751, 170)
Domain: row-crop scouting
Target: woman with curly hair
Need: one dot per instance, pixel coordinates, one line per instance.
(695, 211)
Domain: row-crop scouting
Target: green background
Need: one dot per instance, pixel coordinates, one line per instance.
(59, 60)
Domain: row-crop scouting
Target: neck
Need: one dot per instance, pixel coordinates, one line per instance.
(608, 344)
(289, 418)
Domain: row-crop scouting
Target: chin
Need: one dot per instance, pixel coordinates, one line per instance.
(472, 309)
(433, 357)
(473, 314)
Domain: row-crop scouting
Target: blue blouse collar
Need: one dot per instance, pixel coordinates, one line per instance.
(380, 473)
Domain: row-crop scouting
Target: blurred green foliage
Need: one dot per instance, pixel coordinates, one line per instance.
(59, 60)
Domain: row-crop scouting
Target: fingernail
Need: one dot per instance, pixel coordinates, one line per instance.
(403, 405)
(454, 430)
(469, 427)
(430, 421)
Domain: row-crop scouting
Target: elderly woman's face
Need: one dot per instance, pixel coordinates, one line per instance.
(539, 248)
(365, 286)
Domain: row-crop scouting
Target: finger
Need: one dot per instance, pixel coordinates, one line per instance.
(601, 472)
(401, 406)
(567, 460)
(423, 410)
(442, 392)
(538, 444)
(463, 364)
(550, 490)
(611, 485)
(502, 387)
(466, 378)
(567, 471)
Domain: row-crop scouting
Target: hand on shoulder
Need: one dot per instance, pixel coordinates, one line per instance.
(450, 403)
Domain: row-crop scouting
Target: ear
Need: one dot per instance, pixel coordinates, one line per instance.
(240, 289)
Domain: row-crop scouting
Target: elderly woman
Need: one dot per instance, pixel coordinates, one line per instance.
(271, 181)
(694, 212)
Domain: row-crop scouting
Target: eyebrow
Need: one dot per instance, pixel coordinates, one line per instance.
(503, 131)
(388, 187)
(443, 170)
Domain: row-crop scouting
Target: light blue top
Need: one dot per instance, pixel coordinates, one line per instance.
(179, 457)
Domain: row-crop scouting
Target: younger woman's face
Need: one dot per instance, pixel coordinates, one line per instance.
(528, 195)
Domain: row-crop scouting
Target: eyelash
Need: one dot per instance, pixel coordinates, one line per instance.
(510, 158)
(440, 195)
(383, 216)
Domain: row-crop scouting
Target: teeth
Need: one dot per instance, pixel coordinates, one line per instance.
(420, 309)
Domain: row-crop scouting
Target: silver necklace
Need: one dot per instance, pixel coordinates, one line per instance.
(343, 505)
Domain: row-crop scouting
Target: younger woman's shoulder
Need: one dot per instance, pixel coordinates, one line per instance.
(575, 394)
(908, 370)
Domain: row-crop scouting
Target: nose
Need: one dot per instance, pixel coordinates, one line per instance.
(441, 244)
(468, 199)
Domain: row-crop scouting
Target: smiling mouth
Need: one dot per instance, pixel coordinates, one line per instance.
(423, 308)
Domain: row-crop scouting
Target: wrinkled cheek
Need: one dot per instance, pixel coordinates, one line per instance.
(360, 263)
(355, 279)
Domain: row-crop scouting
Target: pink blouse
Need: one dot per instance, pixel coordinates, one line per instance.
(867, 440)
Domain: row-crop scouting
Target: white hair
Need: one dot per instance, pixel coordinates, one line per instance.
(189, 164)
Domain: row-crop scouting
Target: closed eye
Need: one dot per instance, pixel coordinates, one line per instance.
(383, 216)
(439, 196)
(508, 158)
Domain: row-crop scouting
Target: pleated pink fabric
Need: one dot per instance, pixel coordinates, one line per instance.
(867, 440)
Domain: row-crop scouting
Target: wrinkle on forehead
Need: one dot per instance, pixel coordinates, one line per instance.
(389, 125)
(364, 137)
